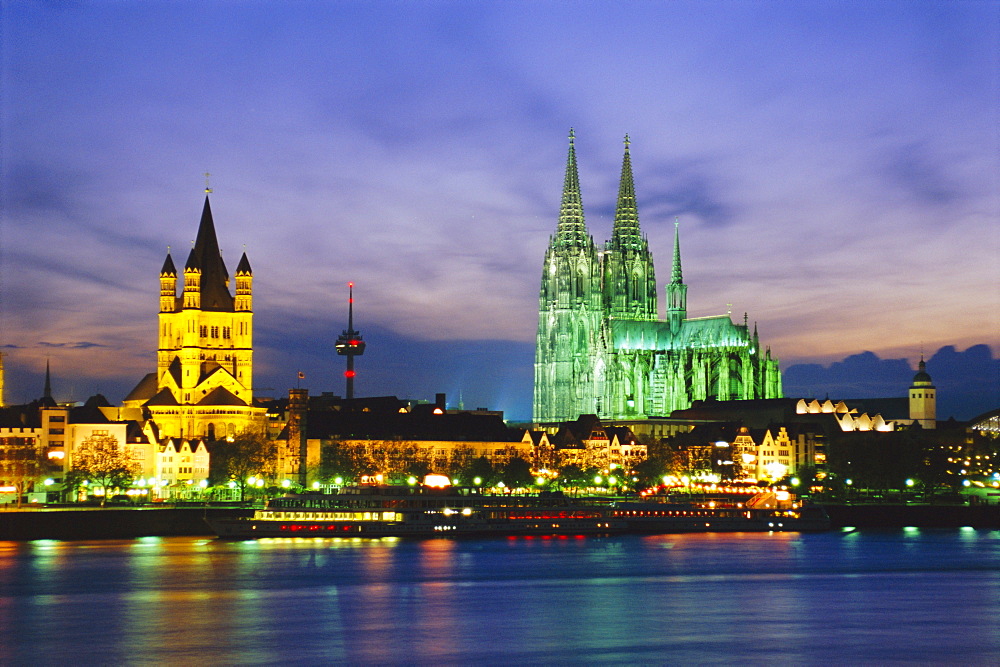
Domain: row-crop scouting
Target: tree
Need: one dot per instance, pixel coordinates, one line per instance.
(249, 454)
(480, 468)
(100, 460)
(573, 475)
(517, 473)
(649, 473)
(22, 462)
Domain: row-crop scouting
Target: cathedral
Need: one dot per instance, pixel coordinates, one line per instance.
(202, 387)
(601, 346)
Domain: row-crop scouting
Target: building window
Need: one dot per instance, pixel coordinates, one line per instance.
(227, 332)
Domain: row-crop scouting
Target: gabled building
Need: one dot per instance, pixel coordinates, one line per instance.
(588, 443)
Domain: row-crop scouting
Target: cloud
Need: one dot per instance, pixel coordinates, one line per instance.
(80, 345)
(968, 382)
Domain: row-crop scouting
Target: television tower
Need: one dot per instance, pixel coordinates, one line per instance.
(349, 344)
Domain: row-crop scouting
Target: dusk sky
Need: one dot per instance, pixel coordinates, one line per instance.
(835, 167)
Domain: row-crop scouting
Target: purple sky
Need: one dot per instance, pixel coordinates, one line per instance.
(835, 167)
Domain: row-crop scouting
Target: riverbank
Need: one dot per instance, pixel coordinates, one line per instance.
(920, 516)
(93, 523)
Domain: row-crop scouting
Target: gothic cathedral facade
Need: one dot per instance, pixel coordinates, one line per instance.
(203, 383)
(601, 346)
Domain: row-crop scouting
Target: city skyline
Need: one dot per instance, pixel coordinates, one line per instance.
(834, 168)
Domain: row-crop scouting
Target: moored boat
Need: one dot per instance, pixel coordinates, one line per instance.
(397, 511)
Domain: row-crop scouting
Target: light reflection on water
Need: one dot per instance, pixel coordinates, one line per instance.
(843, 596)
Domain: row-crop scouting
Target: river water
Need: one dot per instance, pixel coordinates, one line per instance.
(929, 596)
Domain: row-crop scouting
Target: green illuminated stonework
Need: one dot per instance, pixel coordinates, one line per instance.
(601, 347)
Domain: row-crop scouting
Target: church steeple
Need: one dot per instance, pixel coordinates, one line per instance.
(206, 260)
(572, 229)
(628, 275)
(676, 290)
(569, 308)
(168, 285)
(626, 233)
(923, 398)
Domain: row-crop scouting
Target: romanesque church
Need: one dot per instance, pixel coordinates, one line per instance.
(202, 387)
(601, 346)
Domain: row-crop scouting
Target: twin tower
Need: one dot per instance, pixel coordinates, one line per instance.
(601, 346)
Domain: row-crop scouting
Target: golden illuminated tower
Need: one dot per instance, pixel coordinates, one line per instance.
(204, 376)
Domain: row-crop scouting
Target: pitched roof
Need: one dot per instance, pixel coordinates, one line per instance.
(168, 267)
(409, 426)
(221, 396)
(90, 411)
(145, 390)
(163, 397)
(243, 268)
(206, 257)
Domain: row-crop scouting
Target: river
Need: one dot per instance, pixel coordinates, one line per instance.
(846, 596)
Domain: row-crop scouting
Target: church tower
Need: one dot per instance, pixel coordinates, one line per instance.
(629, 281)
(569, 312)
(923, 398)
(677, 290)
(203, 383)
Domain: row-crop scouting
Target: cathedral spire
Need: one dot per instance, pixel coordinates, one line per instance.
(626, 233)
(676, 290)
(675, 274)
(572, 229)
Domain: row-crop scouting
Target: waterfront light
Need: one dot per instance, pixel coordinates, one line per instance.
(338, 480)
(909, 482)
(477, 480)
(437, 481)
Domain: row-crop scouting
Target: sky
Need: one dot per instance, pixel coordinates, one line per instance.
(835, 167)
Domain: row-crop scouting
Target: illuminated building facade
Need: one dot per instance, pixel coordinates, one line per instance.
(923, 398)
(601, 347)
(202, 387)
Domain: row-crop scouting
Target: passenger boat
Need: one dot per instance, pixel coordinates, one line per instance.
(766, 511)
(402, 511)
